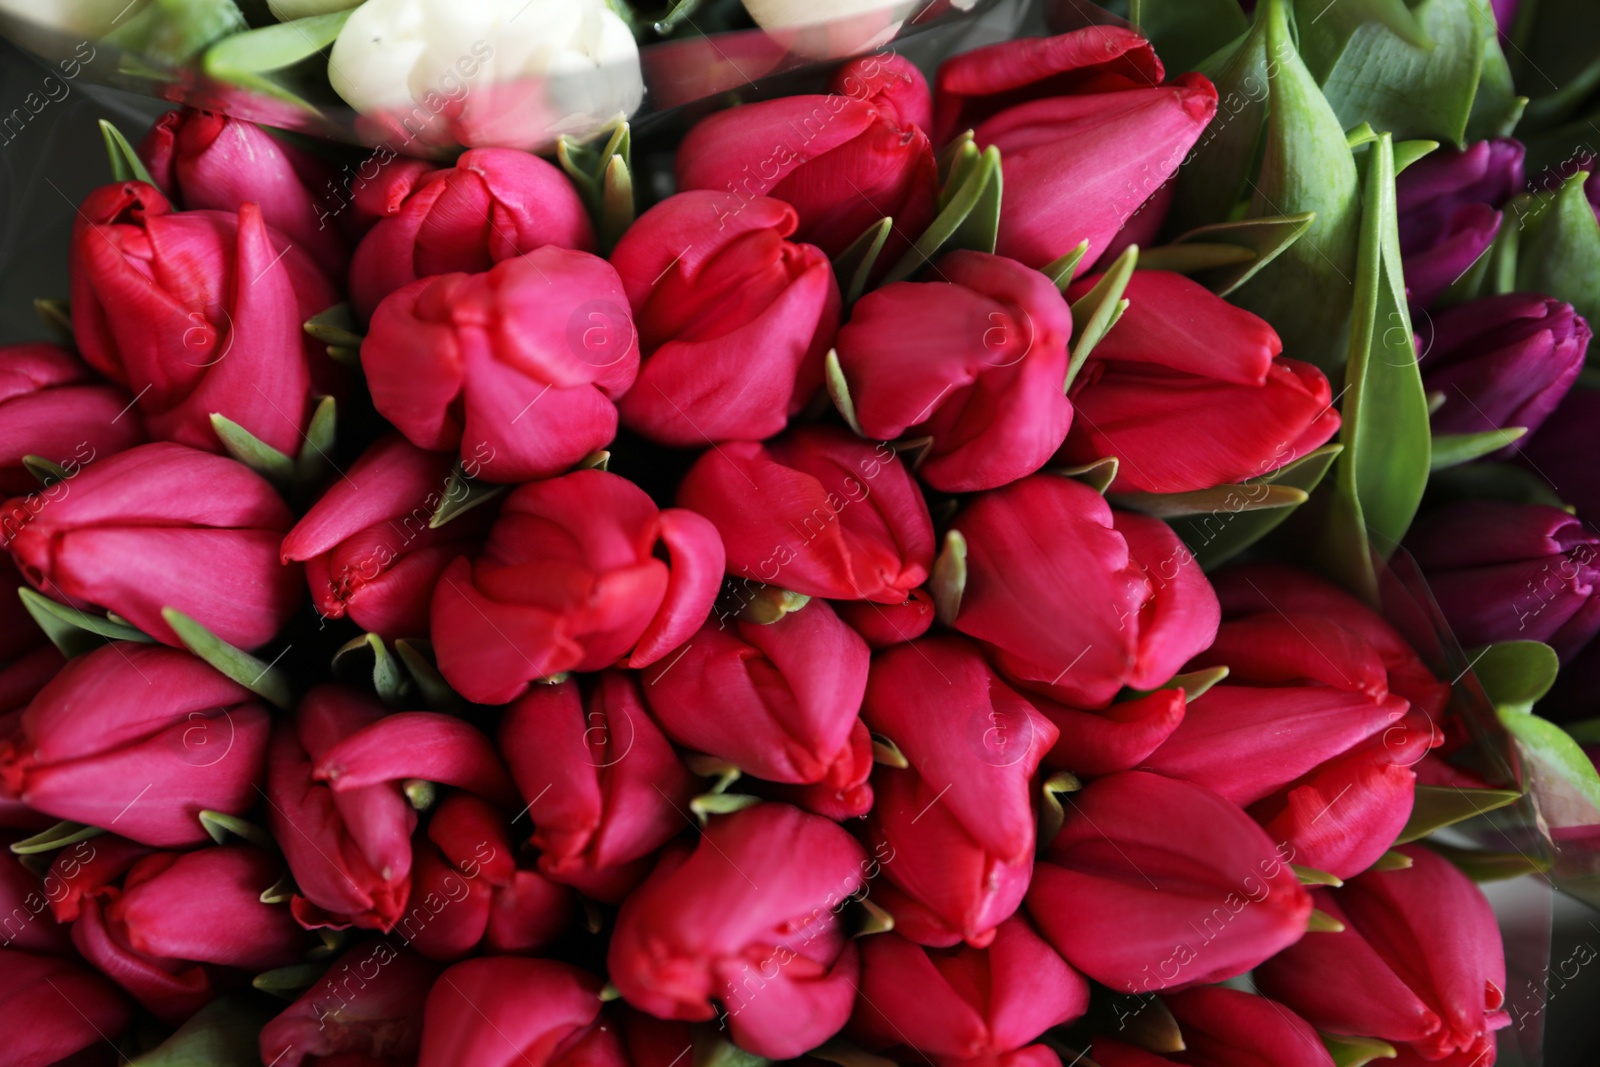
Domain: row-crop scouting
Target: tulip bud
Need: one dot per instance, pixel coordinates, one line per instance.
(161, 526)
(1419, 964)
(976, 360)
(884, 625)
(604, 787)
(1449, 211)
(516, 368)
(66, 1007)
(844, 160)
(734, 320)
(1075, 601)
(1117, 738)
(1188, 392)
(367, 544)
(503, 1011)
(1505, 13)
(568, 581)
(25, 919)
(51, 407)
(749, 919)
(1503, 361)
(1086, 133)
(368, 1004)
(140, 738)
(1157, 884)
(829, 29)
(965, 1006)
(818, 512)
(197, 313)
(1222, 1027)
(1560, 449)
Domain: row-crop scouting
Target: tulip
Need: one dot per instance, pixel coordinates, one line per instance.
(1449, 211)
(844, 160)
(51, 407)
(568, 581)
(603, 786)
(1118, 738)
(162, 526)
(497, 73)
(66, 1007)
(368, 1004)
(1074, 600)
(817, 512)
(495, 204)
(175, 918)
(197, 313)
(966, 1006)
(1512, 572)
(25, 919)
(883, 625)
(503, 1011)
(367, 545)
(1222, 1027)
(1086, 133)
(1419, 964)
(1505, 13)
(544, 340)
(1158, 884)
(1503, 361)
(1188, 392)
(140, 738)
(959, 818)
(203, 159)
(748, 919)
(1560, 450)
(733, 319)
(975, 360)
(829, 29)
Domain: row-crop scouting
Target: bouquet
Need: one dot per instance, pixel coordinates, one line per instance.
(1064, 542)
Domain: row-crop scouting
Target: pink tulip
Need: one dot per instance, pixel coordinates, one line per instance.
(369, 1004)
(1117, 738)
(885, 625)
(67, 1007)
(1222, 1027)
(26, 922)
(503, 1011)
(51, 407)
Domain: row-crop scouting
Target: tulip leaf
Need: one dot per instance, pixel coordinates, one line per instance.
(855, 264)
(709, 804)
(389, 681)
(60, 835)
(1312, 876)
(1095, 312)
(949, 579)
(1192, 257)
(1219, 535)
(769, 604)
(842, 1052)
(1062, 271)
(126, 166)
(886, 752)
(316, 451)
(289, 982)
(839, 391)
(1196, 684)
(1562, 776)
(1326, 28)
(713, 1051)
(980, 230)
(1209, 501)
(279, 892)
(335, 326)
(955, 164)
(978, 193)
(617, 208)
(1562, 257)
(1516, 674)
(1496, 107)
(245, 58)
(48, 473)
(254, 453)
(75, 632)
(1482, 866)
(1052, 815)
(1393, 861)
(420, 665)
(1264, 238)
(1098, 475)
(1185, 32)
(1493, 481)
(876, 921)
(1323, 923)
(1438, 806)
(170, 32)
(262, 679)
(224, 1033)
(1454, 449)
(1357, 1051)
(461, 495)
(219, 824)
(1408, 152)
(604, 178)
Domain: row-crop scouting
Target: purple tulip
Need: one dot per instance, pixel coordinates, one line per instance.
(1562, 452)
(1449, 211)
(1505, 13)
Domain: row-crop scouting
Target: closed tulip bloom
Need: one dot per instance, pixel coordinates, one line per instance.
(1086, 131)
(975, 358)
(844, 160)
(1449, 211)
(1188, 392)
(25, 919)
(67, 1008)
(734, 320)
(959, 819)
(367, 546)
(134, 533)
(969, 1006)
(368, 1004)
(1223, 1027)
(1560, 450)
(749, 920)
(1419, 964)
(818, 512)
(503, 1011)
(1075, 601)
(1117, 738)
(603, 785)
(197, 313)
(1512, 572)
(494, 204)
(883, 625)
(141, 736)
(52, 407)
(1503, 361)
(515, 368)
(1157, 884)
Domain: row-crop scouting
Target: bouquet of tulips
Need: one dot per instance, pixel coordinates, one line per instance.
(1045, 557)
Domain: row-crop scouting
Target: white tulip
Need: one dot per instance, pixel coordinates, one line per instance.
(89, 19)
(512, 73)
(829, 29)
(289, 10)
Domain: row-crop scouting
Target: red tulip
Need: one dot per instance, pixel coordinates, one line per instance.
(51, 407)
(127, 534)
(1118, 738)
(959, 821)
(750, 920)
(1222, 1027)
(516, 368)
(1158, 884)
(1188, 392)
(969, 1006)
(884, 625)
(603, 785)
(503, 1011)
(369, 1004)
(495, 204)
(816, 511)
(734, 320)
(367, 545)
(844, 160)
(197, 313)
(569, 581)
(1419, 964)
(138, 739)
(1074, 600)
(25, 919)
(1086, 131)
(975, 359)
(27, 658)
(67, 1008)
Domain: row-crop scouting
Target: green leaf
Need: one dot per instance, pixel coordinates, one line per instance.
(57, 318)
(250, 450)
(1516, 674)
(1438, 806)
(855, 264)
(1323, 923)
(949, 580)
(768, 604)
(839, 1051)
(1483, 866)
(1097, 475)
(47, 472)
(1492, 481)
(126, 166)
(388, 679)
(289, 982)
(1496, 108)
(245, 58)
(1222, 534)
(1408, 152)
(60, 835)
(1209, 501)
(886, 752)
(1264, 239)
(316, 452)
(1052, 814)
(839, 391)
(1454, 449)
(1562, 251)
(279, 892)
(1560, 774)
(75, 632)
(1062, 270)
(1196, 684)
(1312, 876)
(709, 804)
(980, 230)
(220, 825)
(1326, 28)
(171, 32)
(262, 679)
(461, 495)
(335, 326)
(977, 194)
(1356, 1051)
(1393, 861)
(1195, 256)
(224, 1033)
(1185, 32)
(420, 665)
(711, 1050)
(617, 208)
(1096, 311)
